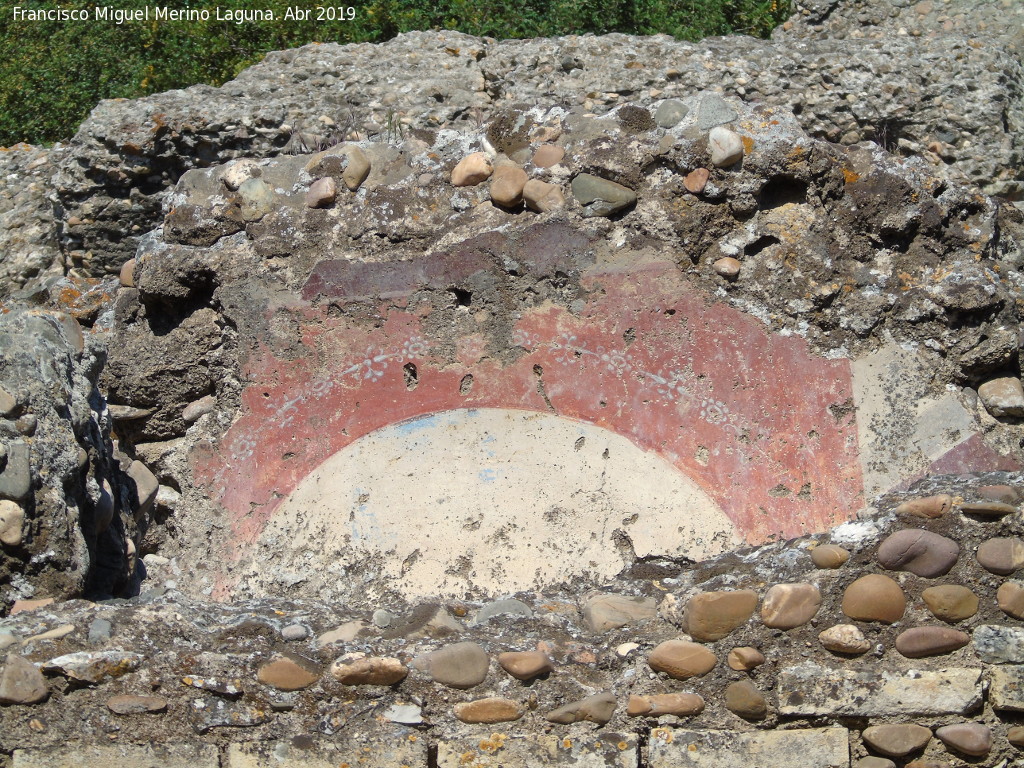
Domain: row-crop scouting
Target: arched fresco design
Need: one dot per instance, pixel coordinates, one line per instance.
(764, 427)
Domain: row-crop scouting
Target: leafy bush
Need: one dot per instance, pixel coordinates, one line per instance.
(52, 73)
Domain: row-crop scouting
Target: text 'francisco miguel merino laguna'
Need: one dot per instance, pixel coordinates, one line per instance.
(161, 13)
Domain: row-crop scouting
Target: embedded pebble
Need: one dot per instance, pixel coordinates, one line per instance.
(382, 618)
(288, 673)
(928, 507)
(844, 638)
(257, 199)
(874, 598)
(1010, 598)
(548, 155)
(229, 714)
(7, 402)
(786, 606)
(198, 408)
(874, 762)
(462, 665)
(727, 267)
(509, 607)
(507, 185)
(1004, 494)
(897, 740)
(918, 642)
(7, 639)
(972, 739)
(230, 688)
(1001, 555)
(16, 478)
(103, 512)
(598, 708)
(625, 649)
(726, 147)
(1016, 735)
(12, 516)
(950, 602)
(711, 616)
(472, 170)
(543, 197)
(21, 682)
(600, 197)
(346, 633)
(743, 699)
(605, 612)
(21, 606)
(373, 670)
(525, 665)
(239, 172)
(713, 111)
(681, 659)
(678, 704)
(670, 113)
(294, 632)
(404, 714)
(126, 276)
(1003, 396)
(94, 667)
(922, 553)
(146, 486)
(357, 166)
(997, 644)
(52, 634)
(745, 658)
(136, 705)
(492, 710)
(322, 193)
(696, 180)
(829, 556)
(987, 508)
(99, 631)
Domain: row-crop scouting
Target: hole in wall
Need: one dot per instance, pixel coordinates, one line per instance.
(411, 376)
(463, 298)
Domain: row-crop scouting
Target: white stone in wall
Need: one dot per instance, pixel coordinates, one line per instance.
(150, 756)
(1006, 688)
(813, 689)
(807, 748)
(379, 748)
(569, 747)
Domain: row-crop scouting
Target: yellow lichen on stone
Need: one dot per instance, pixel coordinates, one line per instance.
(665, 734)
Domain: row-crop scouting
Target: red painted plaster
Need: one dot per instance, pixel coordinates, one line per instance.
(757, 420)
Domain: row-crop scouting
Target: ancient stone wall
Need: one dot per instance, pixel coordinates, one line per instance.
(896, 637)
(889, 73)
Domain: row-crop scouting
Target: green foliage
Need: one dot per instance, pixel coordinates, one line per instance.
(53, 72)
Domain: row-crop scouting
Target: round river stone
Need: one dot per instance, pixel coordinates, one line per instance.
(923, 553)
(874, 598)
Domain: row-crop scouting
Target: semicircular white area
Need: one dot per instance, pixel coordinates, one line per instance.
(480, 502)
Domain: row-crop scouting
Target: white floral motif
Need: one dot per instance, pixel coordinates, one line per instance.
(415, 346)
(713, 411)
(524, 339)
(245, 446)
